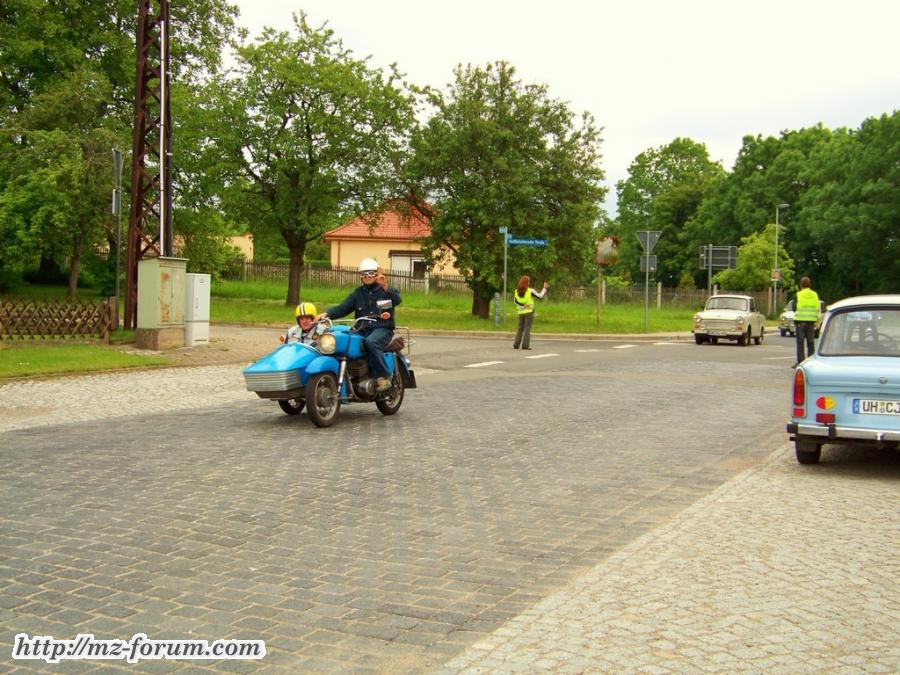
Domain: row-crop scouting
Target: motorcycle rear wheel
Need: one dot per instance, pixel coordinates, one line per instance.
(323, 399)
(393, 397)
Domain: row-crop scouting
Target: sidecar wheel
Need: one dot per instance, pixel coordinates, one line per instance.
(393, 397)
(323, 398)
(292, 406)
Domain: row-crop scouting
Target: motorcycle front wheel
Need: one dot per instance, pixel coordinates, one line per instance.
(323, 399)
(393, 397)
(292, 406)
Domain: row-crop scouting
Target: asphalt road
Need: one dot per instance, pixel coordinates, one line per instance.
(380, 544)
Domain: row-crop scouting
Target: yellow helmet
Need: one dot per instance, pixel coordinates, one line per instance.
(305, 309)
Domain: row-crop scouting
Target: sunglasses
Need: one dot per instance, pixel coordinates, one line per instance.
(370, 274)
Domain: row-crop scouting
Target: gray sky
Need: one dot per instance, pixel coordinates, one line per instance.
(648, 70)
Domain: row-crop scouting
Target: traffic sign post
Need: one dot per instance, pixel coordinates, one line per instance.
(648, 239)
(505, 232)
(716, 258)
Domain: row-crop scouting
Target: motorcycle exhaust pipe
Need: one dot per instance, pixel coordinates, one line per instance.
(367, 387)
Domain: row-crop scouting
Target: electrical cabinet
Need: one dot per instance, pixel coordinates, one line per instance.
(160, 306)
(196, 310)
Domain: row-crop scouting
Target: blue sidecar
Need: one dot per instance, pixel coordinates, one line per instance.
(333, 371)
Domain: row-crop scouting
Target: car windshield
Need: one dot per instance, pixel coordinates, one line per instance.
(726, 303)
(862, 333)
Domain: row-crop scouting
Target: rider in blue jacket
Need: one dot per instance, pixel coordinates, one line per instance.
(363, 301)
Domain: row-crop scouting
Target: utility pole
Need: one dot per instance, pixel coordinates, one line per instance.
(150, 221)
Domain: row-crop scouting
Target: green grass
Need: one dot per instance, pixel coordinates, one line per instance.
(263, 303)
(31, 360)
(259, 302)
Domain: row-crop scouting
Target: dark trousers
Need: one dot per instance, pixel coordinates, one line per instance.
(523, 334)
(806, 333)
(376, 341)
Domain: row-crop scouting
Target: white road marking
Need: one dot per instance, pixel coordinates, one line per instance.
(540, 356)
(624, 346)
(484, 363)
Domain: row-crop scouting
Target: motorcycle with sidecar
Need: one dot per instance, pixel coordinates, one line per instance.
(331, 372)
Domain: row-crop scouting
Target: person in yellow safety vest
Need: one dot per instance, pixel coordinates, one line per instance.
(806, 314)
(524, 298)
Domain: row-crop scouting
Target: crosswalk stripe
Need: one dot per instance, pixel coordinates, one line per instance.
(483, 363)
(540, 356)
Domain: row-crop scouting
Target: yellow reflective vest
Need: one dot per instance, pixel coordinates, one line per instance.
(807, 307)
(524, 303)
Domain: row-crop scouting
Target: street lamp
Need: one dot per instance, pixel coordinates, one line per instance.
(776, 273)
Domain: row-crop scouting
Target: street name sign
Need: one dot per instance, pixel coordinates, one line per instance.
(513, 241)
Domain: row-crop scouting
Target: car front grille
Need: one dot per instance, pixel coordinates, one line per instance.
(719, 324)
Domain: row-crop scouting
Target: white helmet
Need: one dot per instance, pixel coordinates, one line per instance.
(368, 265)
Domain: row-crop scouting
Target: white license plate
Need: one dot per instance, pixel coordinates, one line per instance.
(718, 332)
(873, 406)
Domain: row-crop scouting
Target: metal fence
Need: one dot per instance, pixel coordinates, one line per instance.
(321, 275)
(325, 275)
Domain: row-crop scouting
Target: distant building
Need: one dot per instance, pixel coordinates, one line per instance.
(393, 239)
(244, 243)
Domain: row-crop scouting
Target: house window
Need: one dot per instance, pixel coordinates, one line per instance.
(408, 262)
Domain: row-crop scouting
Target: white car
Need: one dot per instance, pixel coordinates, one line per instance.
(786, 320)
(729, 317)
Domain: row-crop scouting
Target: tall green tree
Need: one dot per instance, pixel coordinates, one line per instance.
(848, 233)
(495, 153)
(55, 204)
(768, 171)
(306, 134)
(67, 79)
(664, 189)
(754, 263)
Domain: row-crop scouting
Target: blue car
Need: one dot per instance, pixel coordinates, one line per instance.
(848, 392)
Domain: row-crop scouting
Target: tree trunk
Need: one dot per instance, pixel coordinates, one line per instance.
(481, 300)
(296, 269)
(74, 268)
(49, 271)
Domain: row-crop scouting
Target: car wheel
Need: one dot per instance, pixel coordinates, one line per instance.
(808, 452)
(745, 338)
(292, 406)
(324, 399)
(699, 339)
(762, 336)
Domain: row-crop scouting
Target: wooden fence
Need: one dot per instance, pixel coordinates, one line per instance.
(21, 319)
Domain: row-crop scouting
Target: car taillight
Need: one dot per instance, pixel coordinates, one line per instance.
(799, 393)
(825, 418)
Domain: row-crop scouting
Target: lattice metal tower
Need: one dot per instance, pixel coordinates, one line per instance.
(150, 223)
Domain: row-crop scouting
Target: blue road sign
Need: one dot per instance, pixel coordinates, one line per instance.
(527, 242)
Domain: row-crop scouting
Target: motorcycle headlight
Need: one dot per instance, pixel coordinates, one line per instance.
(327, 343)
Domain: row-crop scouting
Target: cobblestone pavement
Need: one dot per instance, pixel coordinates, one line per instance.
(783, 569)
(428, 542)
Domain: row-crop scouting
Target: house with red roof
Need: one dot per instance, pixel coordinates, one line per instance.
(393, 238)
